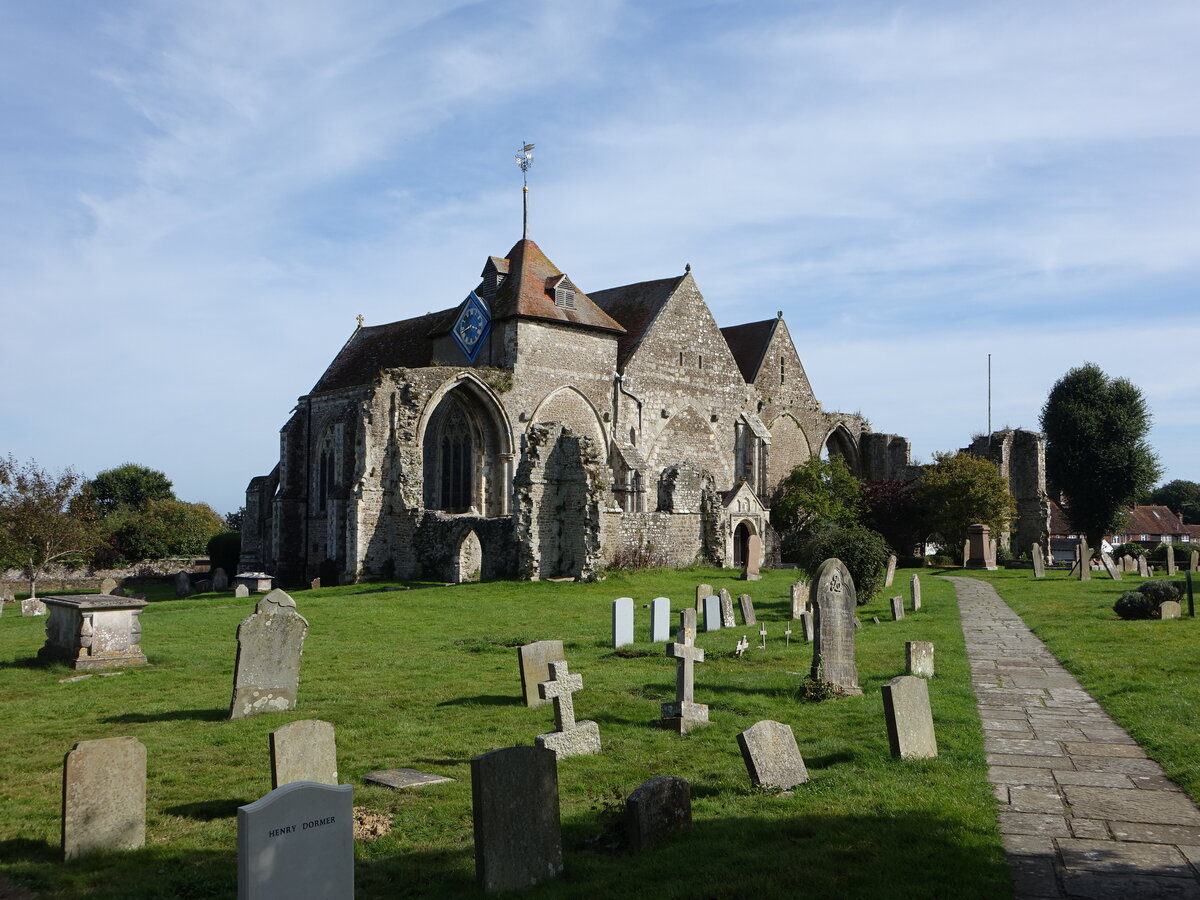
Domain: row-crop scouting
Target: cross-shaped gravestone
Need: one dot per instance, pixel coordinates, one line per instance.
(741, 647)
(685, 714)
(787, 635)
(762, 636)
(569, 738)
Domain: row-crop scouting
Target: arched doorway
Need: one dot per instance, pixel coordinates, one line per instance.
(741, 544)
(468, 561)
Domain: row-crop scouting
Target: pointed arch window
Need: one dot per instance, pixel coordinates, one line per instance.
(457, 455)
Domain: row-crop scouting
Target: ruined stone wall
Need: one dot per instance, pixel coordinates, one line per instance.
(439, 537)
(679, 537)
(1020, 458)
(886, 457)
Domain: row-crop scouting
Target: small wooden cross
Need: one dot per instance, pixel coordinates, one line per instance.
(741, 647)
(762, 636)
(787, 634)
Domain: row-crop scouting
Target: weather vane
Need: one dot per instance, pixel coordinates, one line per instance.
(525, 160)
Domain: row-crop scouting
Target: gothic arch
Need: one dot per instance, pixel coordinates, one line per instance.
(839, 442)
(569, 406)
(686, 436)
(466, 449)
(790, 447)
(741, 540)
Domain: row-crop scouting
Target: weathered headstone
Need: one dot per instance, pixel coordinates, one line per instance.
(918, 658)
(1127, 564)
(727, 620)
(712, 613)
(1171, 569)
(314, 584)
(702, 591)
(203, 586)
(569, 738)
(303, 751)
(875, 620)
(966, 554)
(104, 796)
(1085, 561)
(1143, 567)
(1190, 595)
(897, 608)
(833, 601)
(622, 621)
(806, 625)
(914, 589)
(909, 718)
(890, 573)
(1039, 561)
(980, 554)
(183, 584)
(108, 585)
(1169, 609)
(799, 598)
(267, 672)
(518, 835)
(753, 559)
(534, 660)
(241, 592)
(657, 809)
(685, 714)
(660, 619)
(32, 606)
(220, 579)
(1110, 567)
(400, 779)
(94, 631)
(1194, 561)
(858, 622)
(746, 605)
(771, 756)
(297, 842)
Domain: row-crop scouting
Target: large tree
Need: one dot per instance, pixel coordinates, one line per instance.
(959, 490)
(818, 491)
(130, 486)
(1181, 497)
(162, 529)
(1097, 454)
(42, 521)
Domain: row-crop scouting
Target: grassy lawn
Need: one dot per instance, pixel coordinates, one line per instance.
(1146, 674)
(428, 678)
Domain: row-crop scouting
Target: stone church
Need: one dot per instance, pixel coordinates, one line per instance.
(538, 431)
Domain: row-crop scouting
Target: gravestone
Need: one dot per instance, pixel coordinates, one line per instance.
(1143, 567)
(909, 719)
(404, 778)
(203, 586)
(833, 601)
(1194, 561)
(685, 714)
(858, 622)
(1085, 561)
(656, 810)
(94, 631)
(303, 751)
(108, 585)
(897, 608)
(753, 559)
(762, 636)
(297, 842)
(104, 796)
(220, 579)
(702, 591)
(771, 756)
(1190, 595)
(1039, 561)
(914, 588)
(741, 647)
(1110, 567)
(32, 606)
(712, 613)
(1169, 609)
(518, 835)
(918, 658)
(799, 598)
(257, 582)
(314, 584)
(266, 675)
(980, 554)
(622, 621)
(746, 605)
(875, 620)
(660, 619)
(570, 738)
(1127, 564)
(241, 592)
(890, 575)
(534, 660)
(1171, 570)
(727, 620)
(183, 584)
(966, 554)
(806, 625)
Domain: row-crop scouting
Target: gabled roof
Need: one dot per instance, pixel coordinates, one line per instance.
(528, 292)
(636, 306)
(748, 343)
(1152, 520)
(370, 349)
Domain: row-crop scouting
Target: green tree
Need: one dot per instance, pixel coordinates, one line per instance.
(1096, 448)
(42, 521)
(163, 528)
(130, 486)
(892, 509)
(1181, 497)
(820, 490)
(959, 490)
(863, 551)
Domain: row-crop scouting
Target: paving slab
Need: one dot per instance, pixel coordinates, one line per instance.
(1082, 811)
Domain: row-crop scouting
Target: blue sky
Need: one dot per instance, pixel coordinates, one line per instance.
(197, 199)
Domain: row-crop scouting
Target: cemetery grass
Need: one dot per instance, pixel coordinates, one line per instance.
(1145, 673)
(427, 678)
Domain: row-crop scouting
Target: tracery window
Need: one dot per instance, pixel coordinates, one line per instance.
(456, 486)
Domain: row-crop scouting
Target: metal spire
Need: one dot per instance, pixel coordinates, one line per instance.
(525, 160)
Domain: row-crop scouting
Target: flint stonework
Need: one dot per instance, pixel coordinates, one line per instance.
(833, 601)
(771, 756)
(534, 660)
(909, 718)
(303, 751)
(518, 837)
(658, 809)
(266, 675)
(104, 796)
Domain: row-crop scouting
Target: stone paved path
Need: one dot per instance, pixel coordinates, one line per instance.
(1083, 812)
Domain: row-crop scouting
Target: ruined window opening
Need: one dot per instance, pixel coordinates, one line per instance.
(457, 448)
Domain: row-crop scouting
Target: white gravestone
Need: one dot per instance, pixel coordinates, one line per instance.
(918, 658)
(660, 619)
(712, 613)
(297, 842)
(622, 621)
(914, 587)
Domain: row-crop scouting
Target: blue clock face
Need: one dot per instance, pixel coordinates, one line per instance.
(471, 327)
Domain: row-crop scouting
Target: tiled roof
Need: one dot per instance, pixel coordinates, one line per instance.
(1058, 520)
(635, 306)
(370, 349)
(1152, 520)
(527, 292)
(749, 343)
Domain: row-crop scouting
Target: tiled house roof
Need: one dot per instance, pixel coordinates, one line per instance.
(528, 291)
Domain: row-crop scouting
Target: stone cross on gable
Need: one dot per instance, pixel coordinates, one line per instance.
(560, 688)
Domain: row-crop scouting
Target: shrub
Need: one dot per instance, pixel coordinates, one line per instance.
(1143, 602)
(224, 551)
(642, 555)
(1133, 548)
(1182, 551)
(1159, 592)
(863, 551)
